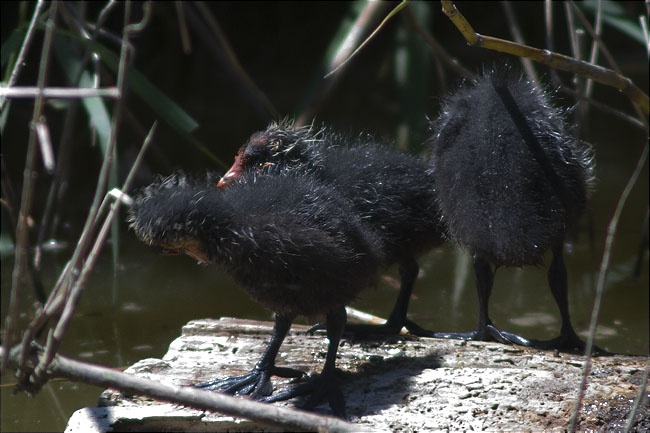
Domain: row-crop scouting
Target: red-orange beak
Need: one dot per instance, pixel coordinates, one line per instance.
(231, 175)
(234, 172)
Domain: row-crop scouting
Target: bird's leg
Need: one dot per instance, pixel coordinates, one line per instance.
(485, 330)
(484, 279)
(325, 385)
(557, 280)
(408, 271)
(257, 382)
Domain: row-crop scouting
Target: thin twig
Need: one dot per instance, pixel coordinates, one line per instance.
(513, 25)
(548, 23)
(76, 286)
(646, 32)
(20, 60)
(183, 31)
(437, 49)
(45, 145)
(93, 255)
(58, 186)
(233, 60)
(367, 318)
(605, 108)
(612, 229)
(639, 400)
(22, 229)
(66, 284)
(596, 41)
(554, 60)
(595, 34)
(344, 52)
(576, 36)
(59, 92)
(265, 413)
(9, 202)
(572, 31)
(548, 13)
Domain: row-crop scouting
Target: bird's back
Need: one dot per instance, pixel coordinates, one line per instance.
(499, 197)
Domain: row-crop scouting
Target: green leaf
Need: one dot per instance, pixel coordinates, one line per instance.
(164, 106)
(94, 106)
(11, 46)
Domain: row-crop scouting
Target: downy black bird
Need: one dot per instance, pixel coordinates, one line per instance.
(291, 241)
(391, 191)
(511, 182)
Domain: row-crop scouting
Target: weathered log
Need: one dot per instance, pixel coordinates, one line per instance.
(400, 383)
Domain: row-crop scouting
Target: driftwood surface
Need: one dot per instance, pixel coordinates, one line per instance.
(400, 383)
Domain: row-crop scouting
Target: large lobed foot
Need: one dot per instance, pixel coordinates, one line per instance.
(324, 387)
(486, 333)
(489, 333)
(570, 343)
(256, 383)
(567, 342)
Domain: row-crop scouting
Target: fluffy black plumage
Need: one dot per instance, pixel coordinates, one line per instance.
(288, 239)
(391, 191)
(511, 182)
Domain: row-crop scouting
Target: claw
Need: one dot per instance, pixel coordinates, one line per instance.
(324, 387)
(256, 383)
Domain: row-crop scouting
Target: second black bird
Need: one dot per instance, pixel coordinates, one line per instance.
(390, 191)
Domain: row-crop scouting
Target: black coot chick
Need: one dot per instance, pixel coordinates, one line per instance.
(511, 183)
(391, 191)
(290, 241)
